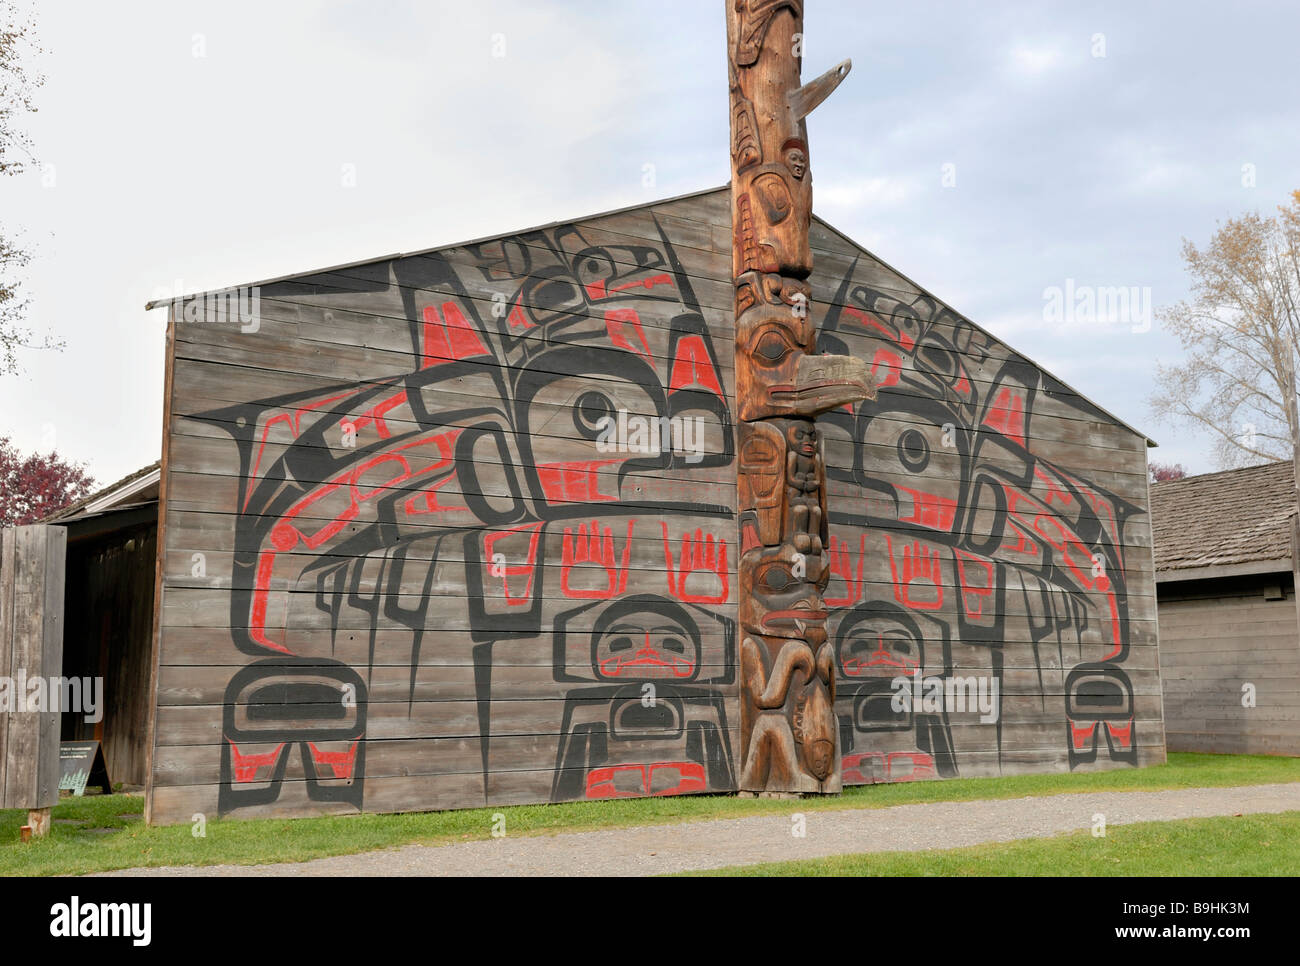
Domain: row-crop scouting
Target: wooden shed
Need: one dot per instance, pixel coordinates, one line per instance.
(1230, 642)
(112, 552)
(458, 528)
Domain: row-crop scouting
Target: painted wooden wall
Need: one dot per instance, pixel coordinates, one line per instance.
(396, 491)
(990, 537)
(400, 571)
(1216, 638)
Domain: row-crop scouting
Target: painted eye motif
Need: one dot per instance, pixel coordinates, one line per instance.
(594, 265)
(772, 348)
(776, 579)
(914, 450)
(590, 409)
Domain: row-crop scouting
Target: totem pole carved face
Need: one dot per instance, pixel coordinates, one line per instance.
(802, 439)
(789, 730)
(770, 159)
(784, 598)
(778, 374)
(796, 158)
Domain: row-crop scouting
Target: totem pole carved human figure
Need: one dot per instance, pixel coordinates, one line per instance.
(789, 734)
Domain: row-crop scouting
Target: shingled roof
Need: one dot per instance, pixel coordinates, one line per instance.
(129, 486)
(1233, 521)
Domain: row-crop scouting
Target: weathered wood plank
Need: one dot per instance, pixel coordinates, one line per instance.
(35, 614)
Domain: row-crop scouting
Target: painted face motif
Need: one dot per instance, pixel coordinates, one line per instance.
(642, 645)
(879, 646)
(1099, 706)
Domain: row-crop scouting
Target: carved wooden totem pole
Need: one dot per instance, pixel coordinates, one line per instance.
(789, 735)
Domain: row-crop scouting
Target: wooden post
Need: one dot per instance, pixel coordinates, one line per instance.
(788, 731)
(31, 660)
(38, 820)
(1287, 353)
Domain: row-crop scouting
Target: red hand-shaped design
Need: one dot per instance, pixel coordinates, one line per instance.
(841, 565)
(595, 547)
(923, 567)
(700, 554)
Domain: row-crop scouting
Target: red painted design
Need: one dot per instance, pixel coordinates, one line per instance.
(518, 320)
(527, 569)
(853, 773)
(693, 367)
(1079, 561)
(919, 765)
(1054, 492)
(871, 323)
(1123, 735)
(698, 554)
(647, 662)
(375, 414)
(929, 509)
(576, 482)
(427, 501)
(246, 766)
(600, 288)
(893, 362)
(450, 340)
(881, 657)
(342, 762)
(922, 576)
(1104, 509)
(842, 566)
(1008, 415)
(1024, 544)
(602, 782)
(974, 592)
(922, 766)
(337, 503)
(293, 419)
(615, 320)
(595, 547)
(1082, 735)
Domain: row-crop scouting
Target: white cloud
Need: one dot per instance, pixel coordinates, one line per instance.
(875, 192)
(1035, 59)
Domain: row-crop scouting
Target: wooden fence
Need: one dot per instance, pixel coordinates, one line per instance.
(31, 664)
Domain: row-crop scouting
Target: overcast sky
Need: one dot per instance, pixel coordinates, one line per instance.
(985, 150)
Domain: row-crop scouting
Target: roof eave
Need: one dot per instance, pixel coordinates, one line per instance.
(155, 303)
(1246, 568)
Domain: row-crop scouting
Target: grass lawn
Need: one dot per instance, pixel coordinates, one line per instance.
(1251, 845)
(97, 833)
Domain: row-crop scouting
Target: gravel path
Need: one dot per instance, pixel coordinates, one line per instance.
(710, 844)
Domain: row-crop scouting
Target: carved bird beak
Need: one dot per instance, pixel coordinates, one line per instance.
(823, 383)
(805, 99)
